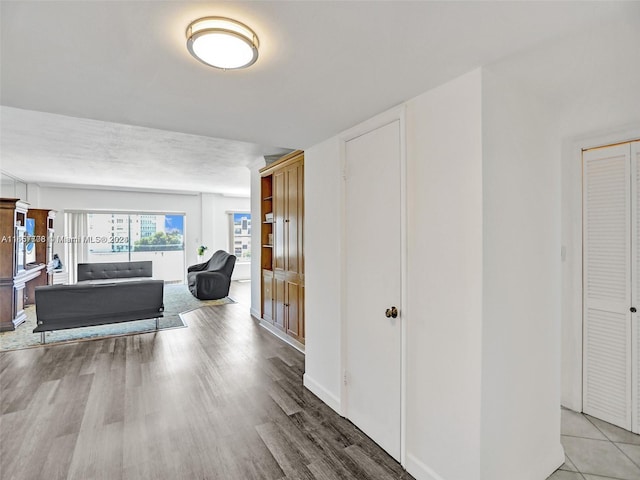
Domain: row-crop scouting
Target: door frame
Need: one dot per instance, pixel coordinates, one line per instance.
(572, 257)
(395, 114)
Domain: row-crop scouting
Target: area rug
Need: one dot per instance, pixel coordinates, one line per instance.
(177, 300)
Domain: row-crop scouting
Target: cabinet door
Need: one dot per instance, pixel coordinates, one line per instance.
(300, 237)
(279, 309)
(279, 216)
(267, 296)
(295, 322)
(293, 221)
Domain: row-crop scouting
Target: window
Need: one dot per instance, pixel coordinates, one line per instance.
(124, 237)
(240, 240)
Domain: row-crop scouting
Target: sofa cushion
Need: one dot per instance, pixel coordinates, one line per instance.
(114, 270)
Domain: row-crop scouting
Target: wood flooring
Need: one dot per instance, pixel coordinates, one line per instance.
(221, 399)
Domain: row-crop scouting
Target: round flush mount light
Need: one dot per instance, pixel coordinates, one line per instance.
(222, 43)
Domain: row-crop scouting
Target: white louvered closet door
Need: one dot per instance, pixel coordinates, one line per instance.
(607, 352)
(635, 282)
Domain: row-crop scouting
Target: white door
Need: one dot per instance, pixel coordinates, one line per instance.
(607, 352)
(635, 283)
(373, 284)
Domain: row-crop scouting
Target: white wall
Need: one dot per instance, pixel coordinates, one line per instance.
(206, 222)
(604, 112)
(256, 240)
(322, 230)
(589, 81)
(215, 227)
(533, 105)
(61, 199)
(572, 245)
(483, 303)
(537, 109)
(11, 187)
(444, 171)
(521, 285)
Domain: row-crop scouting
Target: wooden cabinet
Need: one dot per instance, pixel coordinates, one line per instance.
(11, 211)
(43, 239)
(294, 218)
(282, 245)
(294, 298)
(279, 302)
(20, 271)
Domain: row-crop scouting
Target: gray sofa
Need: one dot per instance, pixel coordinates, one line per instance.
(106, 293)
(59, 307)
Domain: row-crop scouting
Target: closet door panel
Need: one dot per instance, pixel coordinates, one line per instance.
(635, 282)
(293, 225)
(607, 350)
(279, 301)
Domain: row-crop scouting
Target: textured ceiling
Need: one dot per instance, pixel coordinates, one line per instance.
(51, 149)
(142, 112)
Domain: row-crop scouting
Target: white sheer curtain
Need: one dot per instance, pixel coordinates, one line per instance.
(76, 246)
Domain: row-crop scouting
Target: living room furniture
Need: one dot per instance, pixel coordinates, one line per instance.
(211, 280)
(19, 274)
(44, 240)
(60, 307)
(282, 252)
(110, 272)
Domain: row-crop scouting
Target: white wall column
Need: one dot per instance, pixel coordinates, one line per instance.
(207, 225)
(521, 283)
(256, 220)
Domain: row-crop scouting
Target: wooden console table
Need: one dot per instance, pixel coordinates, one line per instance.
(20, 283)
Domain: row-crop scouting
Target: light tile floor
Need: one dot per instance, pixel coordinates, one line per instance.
(596, 450)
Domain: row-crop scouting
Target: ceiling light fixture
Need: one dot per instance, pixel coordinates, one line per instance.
(222, 43)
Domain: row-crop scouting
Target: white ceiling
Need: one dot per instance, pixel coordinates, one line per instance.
(125, 105)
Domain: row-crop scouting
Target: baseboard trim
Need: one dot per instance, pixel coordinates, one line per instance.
(322, 393)
(255, 313)
(282, 336)
(558, 460)
(422, 472)
(419, 470)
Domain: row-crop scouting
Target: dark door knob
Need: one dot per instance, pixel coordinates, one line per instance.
(391, 312)
(633, 309)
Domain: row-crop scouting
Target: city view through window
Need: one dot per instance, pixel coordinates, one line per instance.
(241, 233)
(121, 237)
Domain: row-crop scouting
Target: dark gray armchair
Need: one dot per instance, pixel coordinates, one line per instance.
(211, 280)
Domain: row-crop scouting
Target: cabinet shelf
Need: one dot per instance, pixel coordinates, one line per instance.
(267, 246)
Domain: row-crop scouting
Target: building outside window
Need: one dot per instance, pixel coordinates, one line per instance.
(240, 240)
(126, 237)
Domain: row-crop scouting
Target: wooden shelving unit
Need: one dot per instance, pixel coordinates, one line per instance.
(44, 249)
(267, 227)
(17, 278)
(282, 254)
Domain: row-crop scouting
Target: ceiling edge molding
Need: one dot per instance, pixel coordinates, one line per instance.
(75, 186)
